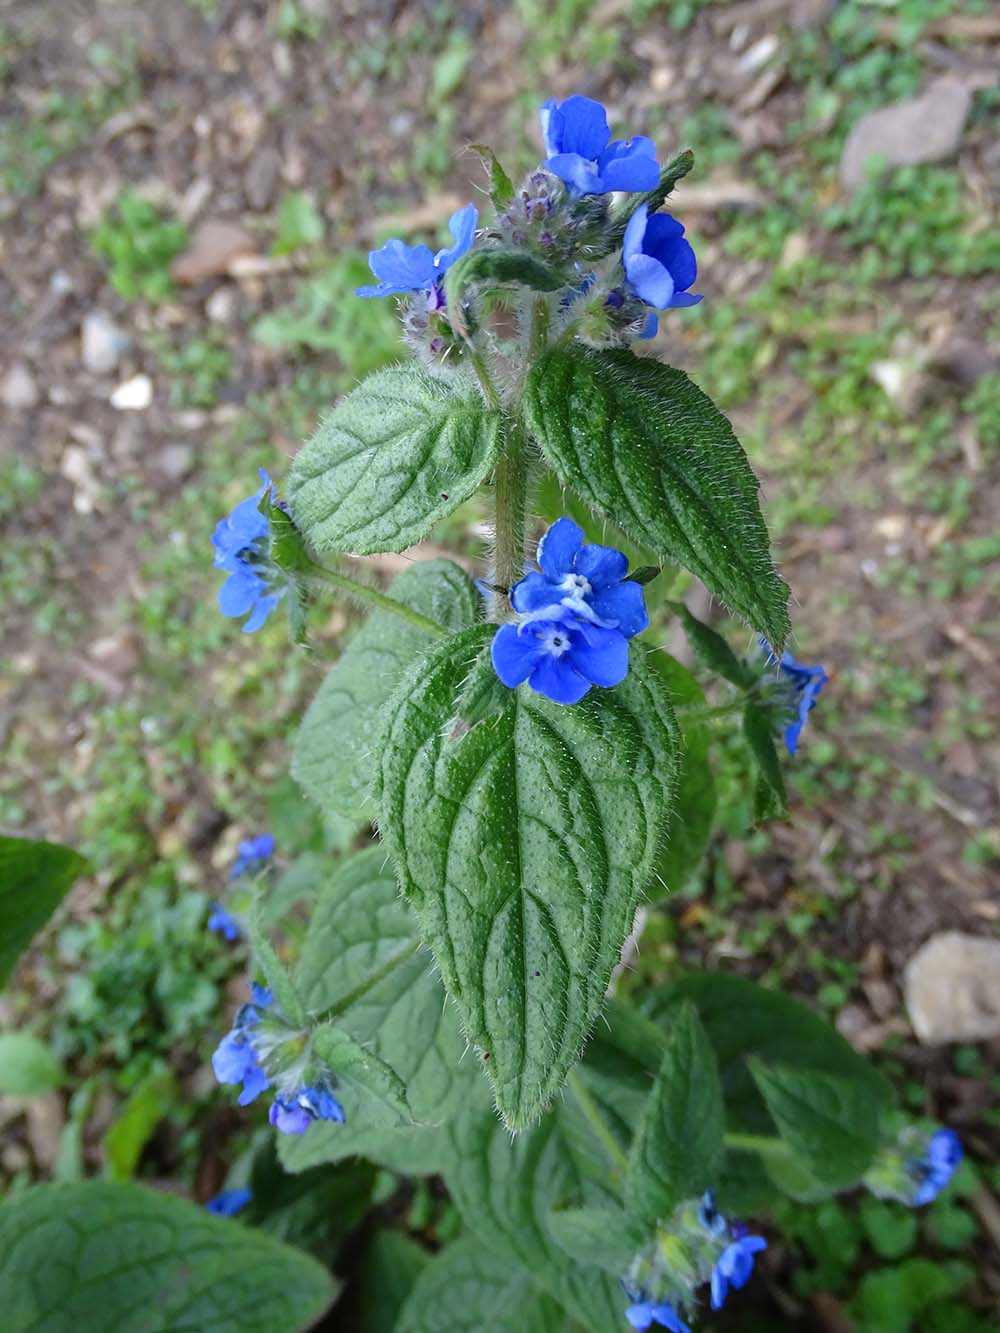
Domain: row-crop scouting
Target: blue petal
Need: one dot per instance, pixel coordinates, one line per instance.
(641, 1315)
(288, 1118)
(634, 232)
(514, 655)
(231, 1059)
(228, 1203)
(262, 997)
(559, 547)
(533, 592)
(600, 655)
(255, 1081)
(652, 324)
(601, 565)
(665, 241)
(263, 608)
(239, 592)
(557, 680)
(405, 267)
(548, 114)
(629, 165)
(681, 300)
(462, 226)
(579, 125)
(650, 280)
(625, 603)
(578, 172)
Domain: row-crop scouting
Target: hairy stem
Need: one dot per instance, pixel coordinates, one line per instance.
(510, 492)
(592, 1115)
(372, 597)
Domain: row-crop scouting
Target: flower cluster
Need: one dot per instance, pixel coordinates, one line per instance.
(240, 542)
(577, 612)
(252, 854)
(584, 157)
(916, 1168)
(402, 268)
(262, 1051)
(696, 1245)
(799, 688)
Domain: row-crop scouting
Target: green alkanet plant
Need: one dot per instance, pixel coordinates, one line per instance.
(535, 768)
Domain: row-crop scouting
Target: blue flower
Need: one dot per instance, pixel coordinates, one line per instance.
(734, 1266)
(402, 268)
(235, 1061)
(220, 920)
(577, 138)
(238, 542)
(253, 852)
(560, 655)
(806, 685)
(709, 1216)
(645, 1313)
(936, 1166)
(229, 1202)
(294, 1115)
(589, 580)
(659, 263)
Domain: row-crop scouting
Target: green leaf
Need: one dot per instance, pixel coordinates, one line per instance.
(411, 1150)
(501, 186)
(692, 816)
(361, 960)
(332, 758)
(34, 879)
(27, 1066)
(275, 974)
(498, 266)
(677, 1150)
(403, 450)
(100, 1255)
(673, 171)
(602, 1236)
(770, 798)
(468, 1287)
(523, 842)
(147, 1104)
(891, 1228)
(712, 650)
(828, 1120)
(348, 1059)
(299, 224)
(506, 1189)
(392, 1264)
(644, 445)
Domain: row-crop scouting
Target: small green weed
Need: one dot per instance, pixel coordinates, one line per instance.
(139, 242)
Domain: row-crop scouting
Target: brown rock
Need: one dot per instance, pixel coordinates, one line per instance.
(213, 248)
(927, 128)
(261, 179)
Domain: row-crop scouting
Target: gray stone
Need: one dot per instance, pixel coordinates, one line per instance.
(952, 988)
(927, 128)
(19, 389)
(102, 342)
(262, 178)
(175, 461)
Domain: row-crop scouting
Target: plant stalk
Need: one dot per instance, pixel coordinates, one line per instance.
(363, 593)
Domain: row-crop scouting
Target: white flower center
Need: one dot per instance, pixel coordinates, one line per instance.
(576, 587)
(555, 642)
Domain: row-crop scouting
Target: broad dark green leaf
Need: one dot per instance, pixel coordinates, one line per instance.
(401, 451)
(333, 754)
(602, 1236)
(392, 1264)
(828, 1120)
(412, 1150)
(506, 1190)
(362, 959)
(34, 879)
(99, 1255)
(770, 798)
(27, 1066)
(469, 1288)
(641, 443)
(678, 1147)
(524, 841)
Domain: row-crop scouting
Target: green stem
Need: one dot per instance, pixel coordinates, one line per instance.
(595, 1120)
(701, 713)
(370, 981)
(539, 337)
(764, 1144)
(510, 495)
(377, 599)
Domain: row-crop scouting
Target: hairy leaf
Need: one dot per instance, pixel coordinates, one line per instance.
(677, 1149)
(602, 1236)
(523, 842)
(501, 186)
(99, 1255)
(506, 1190)
(828, 1120)
(34, 879)
(641, 443)
(693, 814)
(712, 650)
(401, 451)
(468, 1287)
(770, 798)
(333, 754)
(362, 960)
